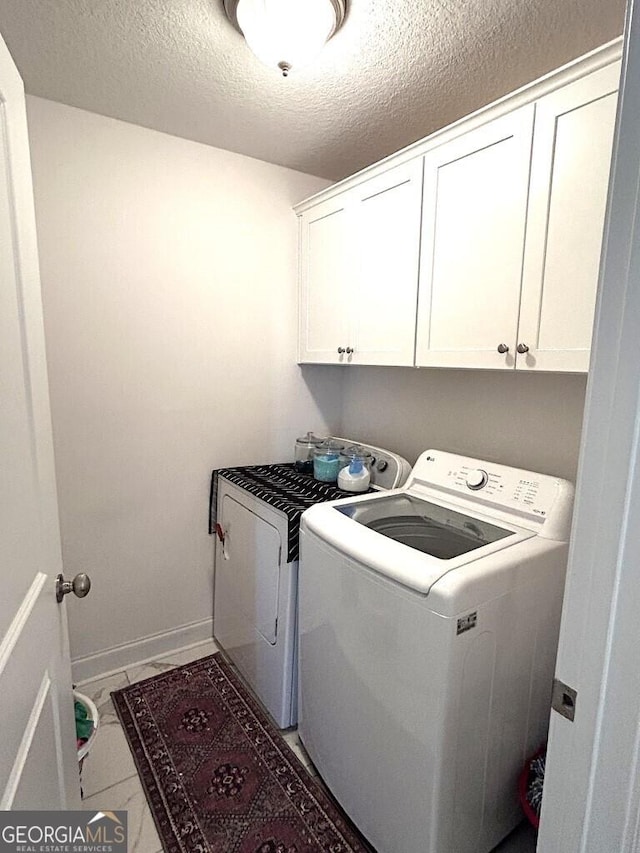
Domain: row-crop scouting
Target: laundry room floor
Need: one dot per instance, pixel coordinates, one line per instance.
(109, 777)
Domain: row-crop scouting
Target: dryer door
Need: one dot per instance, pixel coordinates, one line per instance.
(247, 577)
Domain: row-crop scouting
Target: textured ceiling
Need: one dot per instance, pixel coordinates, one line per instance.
(396, 71)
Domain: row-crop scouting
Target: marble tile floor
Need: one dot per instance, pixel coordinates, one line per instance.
(110, 780)
(109, 777)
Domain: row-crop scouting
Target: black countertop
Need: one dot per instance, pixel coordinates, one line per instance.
(280, 486)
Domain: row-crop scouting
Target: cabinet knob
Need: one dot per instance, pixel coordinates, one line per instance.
(502, 348)
(349, 350)
(522, 348)
(340, 350)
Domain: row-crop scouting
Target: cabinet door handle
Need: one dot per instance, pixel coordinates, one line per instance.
(349, 350)
(502, 348)
(340, 350)
(522, 348)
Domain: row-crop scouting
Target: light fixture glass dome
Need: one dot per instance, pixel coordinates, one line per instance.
(287, 34)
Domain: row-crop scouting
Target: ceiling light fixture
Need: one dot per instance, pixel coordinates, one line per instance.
(286, 34)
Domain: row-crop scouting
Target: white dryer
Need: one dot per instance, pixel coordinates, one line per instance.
(429, 620)
(255, 511)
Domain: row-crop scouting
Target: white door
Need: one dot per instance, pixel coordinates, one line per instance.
(38, 765)
(591, 799)
(570, 166)
(382, 316)
(326, 276)
(473, 226)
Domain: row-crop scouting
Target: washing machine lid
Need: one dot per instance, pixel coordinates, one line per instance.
(410, 539)
(431, 528)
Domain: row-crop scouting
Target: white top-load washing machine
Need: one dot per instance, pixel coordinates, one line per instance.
(255, 511)
(429, 620)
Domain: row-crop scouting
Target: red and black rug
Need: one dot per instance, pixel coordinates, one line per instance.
(218, 776)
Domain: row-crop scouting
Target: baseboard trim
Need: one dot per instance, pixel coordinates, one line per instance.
(120, 657)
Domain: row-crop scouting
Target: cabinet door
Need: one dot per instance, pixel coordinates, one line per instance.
(382, 317)
(569, 181)
(474, 212)
(326, 273)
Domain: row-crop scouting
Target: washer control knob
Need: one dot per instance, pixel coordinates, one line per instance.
(477, 479)
(382, 465)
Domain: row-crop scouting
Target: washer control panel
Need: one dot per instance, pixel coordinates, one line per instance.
(510, 488)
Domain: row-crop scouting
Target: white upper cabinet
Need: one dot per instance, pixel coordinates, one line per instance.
(478, 247)
(473, 231)
(326, 275)
(385, 287)
(569, 181)
(359, 272)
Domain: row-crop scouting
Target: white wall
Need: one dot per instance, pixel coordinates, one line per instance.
(527, 420)
(169, 286)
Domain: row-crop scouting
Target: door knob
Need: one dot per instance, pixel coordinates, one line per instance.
(80, 586)
(522, 348)
(502, 348)
(340, 350)
(349, 350)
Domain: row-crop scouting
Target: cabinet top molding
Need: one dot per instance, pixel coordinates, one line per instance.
(574, 70)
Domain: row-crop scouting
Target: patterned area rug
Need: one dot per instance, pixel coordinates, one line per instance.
(218, 776)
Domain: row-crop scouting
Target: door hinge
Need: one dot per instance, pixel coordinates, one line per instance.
(563, 699)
